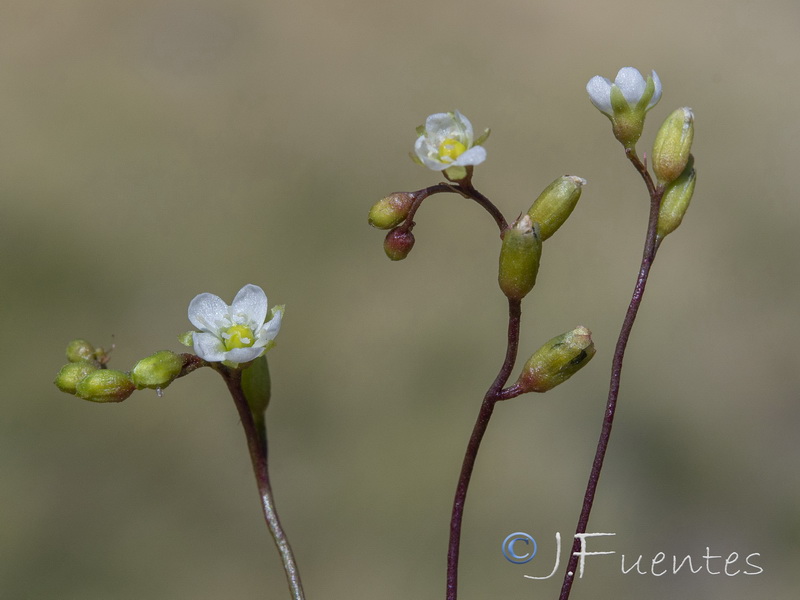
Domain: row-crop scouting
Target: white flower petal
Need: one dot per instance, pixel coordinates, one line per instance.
(242, 355)
(214, 318)
(473, 156)
(271, 328)
(438, 122)
(206, 311)
(424, 151)
(657, 94)
(465, 127)
(599, 90)
(631, 83)
(252, 302)
(208, 347)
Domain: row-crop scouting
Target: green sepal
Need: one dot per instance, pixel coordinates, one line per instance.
(256, 385)
(482, 137)
(186, 339)
(647, 95)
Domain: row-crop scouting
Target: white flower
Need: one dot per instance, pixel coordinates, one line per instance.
(237, 333)
(446, 141)
(632, 85)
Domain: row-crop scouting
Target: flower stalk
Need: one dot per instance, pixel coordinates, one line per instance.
(493, 395)
(651, 245)
(257, 447)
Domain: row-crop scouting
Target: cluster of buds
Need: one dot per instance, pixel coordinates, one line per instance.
(392, 213)
(86, 375)
(673, 165)
(446, 144)
(625, 101)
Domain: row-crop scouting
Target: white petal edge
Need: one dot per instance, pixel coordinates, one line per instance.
(465, 126)
(631, 83)
(599, 90)
(208, 347)
(252, 301)
(271, 328)
(437, 122)
(242, 355)
(473, 156)
(657, 93)
(205, 310)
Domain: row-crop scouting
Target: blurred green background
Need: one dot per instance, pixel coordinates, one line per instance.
(153, 150)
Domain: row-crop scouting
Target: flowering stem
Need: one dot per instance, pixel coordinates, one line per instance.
(493, 395)
(464, 188)
(648, 256)
(257, 445)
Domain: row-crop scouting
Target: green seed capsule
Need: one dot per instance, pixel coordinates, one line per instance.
(519, 258)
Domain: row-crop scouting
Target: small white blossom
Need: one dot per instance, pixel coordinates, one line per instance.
(447, 141)
(237, 333)
(632, 85)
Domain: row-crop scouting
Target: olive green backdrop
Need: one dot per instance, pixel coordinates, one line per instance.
(152, 150)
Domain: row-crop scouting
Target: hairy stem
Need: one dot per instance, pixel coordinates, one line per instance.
(493, 395)
(648, 256)
(257, 446)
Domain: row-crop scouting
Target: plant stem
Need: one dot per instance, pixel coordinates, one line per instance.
(493, 395)
(258, 456)
(648, 256)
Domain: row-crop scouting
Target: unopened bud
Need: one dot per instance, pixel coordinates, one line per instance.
(71, 374)
(157, 371)
(673, 144)
(398, 243)
(676, 200)
(105, 385)
(79, 350)
(556, 361)
(391, 211)
(519, 258)
(551, 209)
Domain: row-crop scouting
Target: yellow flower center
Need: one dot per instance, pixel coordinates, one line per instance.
(238, 336)
(451, 149)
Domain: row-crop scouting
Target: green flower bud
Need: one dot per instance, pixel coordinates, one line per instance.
(105, 385)
(519, 258)
(157, 371)
(391, 211)
(80, 350)
(672, 145)
(398, 243)
(555, 204)
(71, 374)
(556, 361)
(676, 200)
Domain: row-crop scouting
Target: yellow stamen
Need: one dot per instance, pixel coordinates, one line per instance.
(238, 336)
(451, 149)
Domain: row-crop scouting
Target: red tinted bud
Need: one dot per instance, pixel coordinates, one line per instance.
(398, 243)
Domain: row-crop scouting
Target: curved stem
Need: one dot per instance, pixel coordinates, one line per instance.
(257, 446)
(493, 395)
(467, 190)
(464, 188)
(648, 256)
